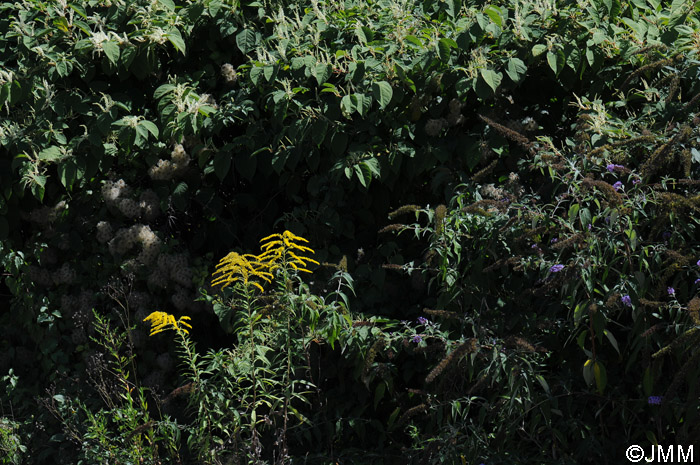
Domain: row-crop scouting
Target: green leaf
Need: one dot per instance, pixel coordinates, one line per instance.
(175, 38)
(111, 49)
(222, 164)
(492, 78)
(52, 153)
(495, 15)
(321, 72)
(67, 173)
(163, 90)
(382, 93)
(538, 49)
(556, 61)
(601, 377)
(246, 41)
(347, 104)
(362, 103)
(443, 48)
(612, 340)
(168, 4)
(414, 40)
(573, 211)
(151, 127)
(516, 69)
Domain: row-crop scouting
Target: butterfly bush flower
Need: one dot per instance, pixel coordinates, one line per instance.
(627, 300)
(554, 239)
(611, 167)
(618, 185)
(655, 400)
(698, 263)
(697, 281)
(636, 181)
(671, 291)
(556, 268)
(417, 338)
(422, 320)
(590, 226)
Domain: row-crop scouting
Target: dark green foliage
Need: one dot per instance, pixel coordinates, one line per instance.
(538, 166)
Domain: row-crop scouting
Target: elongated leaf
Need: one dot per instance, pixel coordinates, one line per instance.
(162, 90)
(151, 127)
(52, 153)
(111, 49)
(382, 93)
(516, 69)
(175, 38)
(492, 78)
(246, 41)
(222, 164)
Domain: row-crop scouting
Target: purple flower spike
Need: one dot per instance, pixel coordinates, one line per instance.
(422, 320)
(655, 400)
(671, 291)
(627, 300)
(554, 239)
(636, 181)
(556, 268)
(610, 167)
(618, 185)
(698, 263)
(590, 226)
(417, 338)
(697, 281)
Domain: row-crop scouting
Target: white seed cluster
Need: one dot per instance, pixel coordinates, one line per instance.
(112, 192)
(229, 73)
(433, 127)
(40, 276)
(64, 275)
(104, 232)
(129, 208)
(126, 238)
(492, 192)
(175, 267)
(181, 300)
(46, 215)
(149, 204)
(455, 116)
(166, 170)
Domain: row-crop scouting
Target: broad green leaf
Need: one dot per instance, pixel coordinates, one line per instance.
(175, 38)
(163, 90)
(538, 49)
(516, 69)
(362, 103)
(573, 211)
(246, 41)
(52, 153)
(414, 40)
(382, 93)
(495, 15)
(222, 164)
(256, 72)
(67, 173)
(443, 48)
(556, 61)
(492, 78)
(347, 104)
(111, 49)
(168, 4)
(321, 72)
(151, 127)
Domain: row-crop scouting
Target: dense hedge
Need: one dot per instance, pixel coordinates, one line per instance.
(501, 196)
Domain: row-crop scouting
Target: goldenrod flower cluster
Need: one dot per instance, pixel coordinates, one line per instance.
(235, 267)
(246, 268)
(162, 321)
(283, 244)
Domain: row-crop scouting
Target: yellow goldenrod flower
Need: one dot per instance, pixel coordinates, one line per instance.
(284, 244)
(235, 267)
(162, 321)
